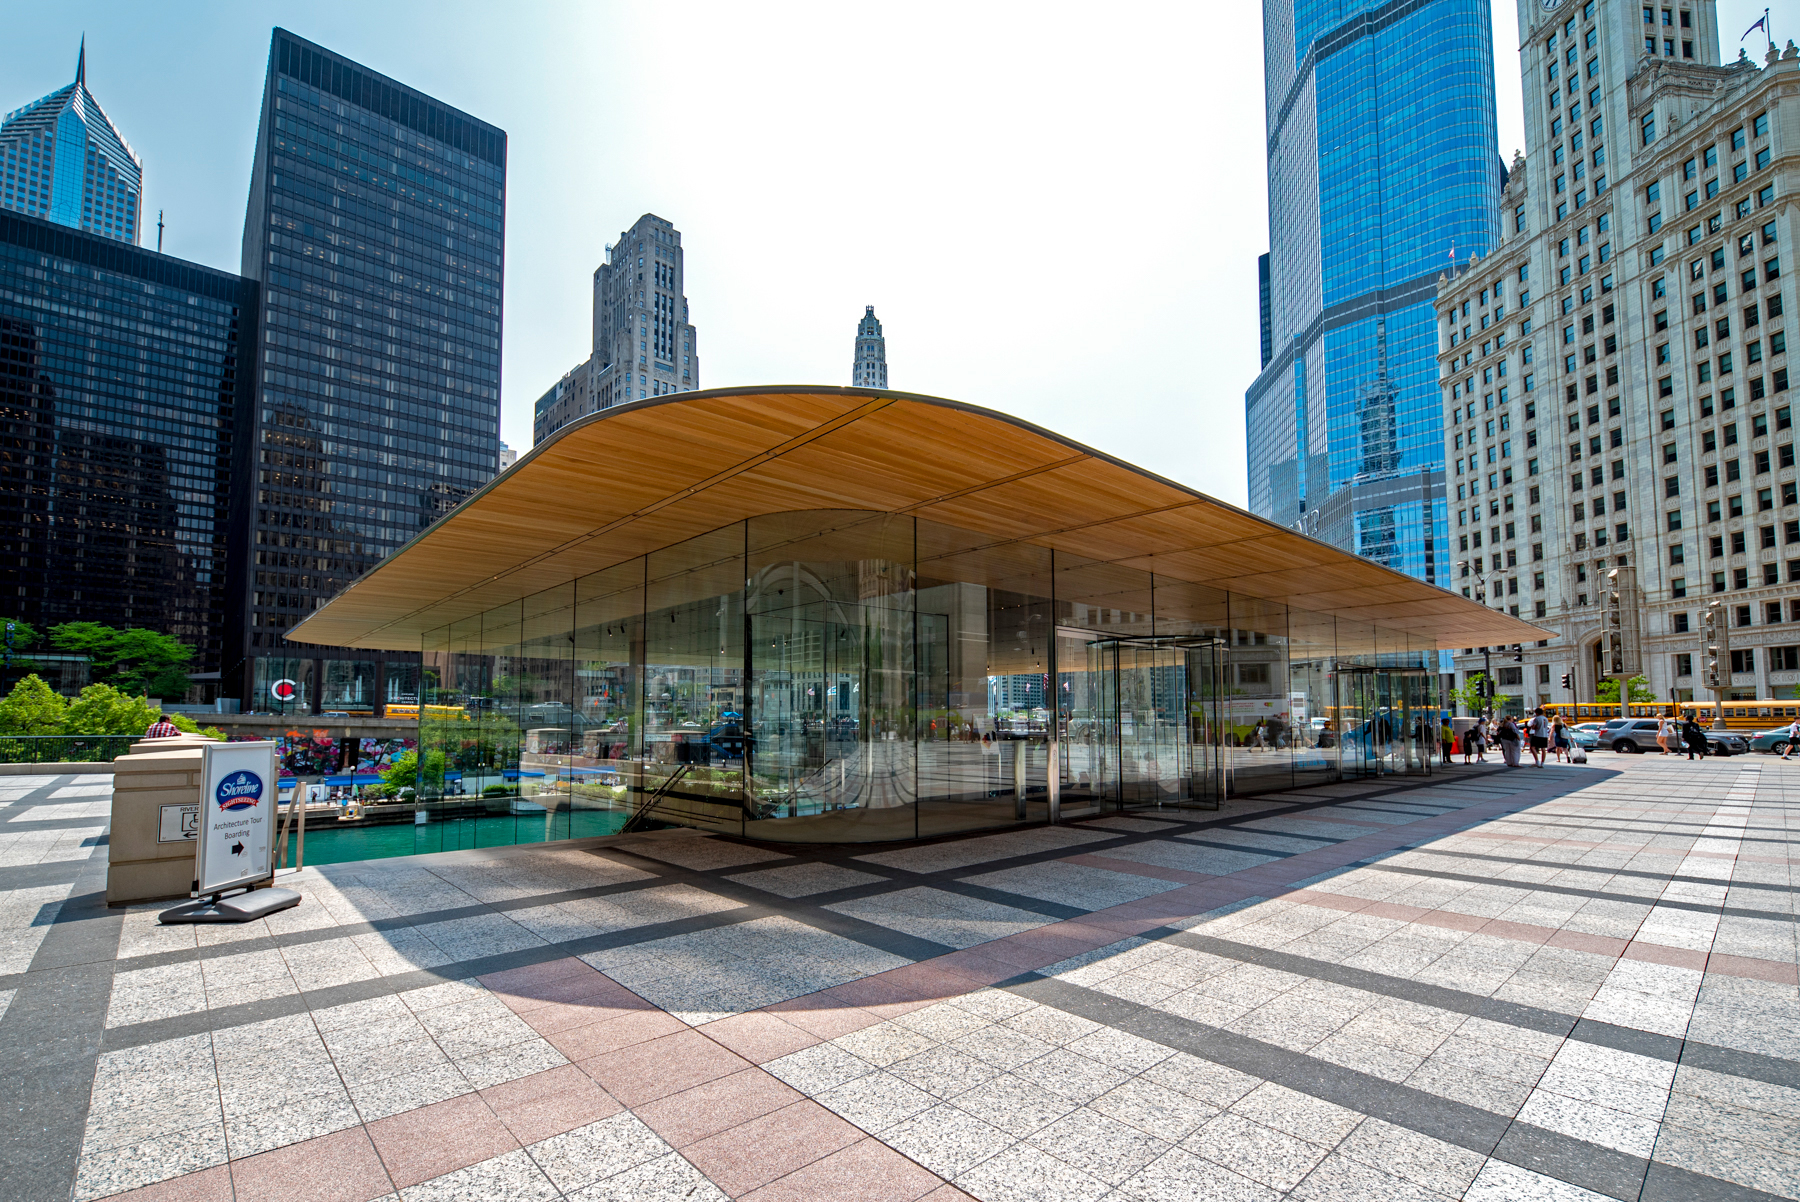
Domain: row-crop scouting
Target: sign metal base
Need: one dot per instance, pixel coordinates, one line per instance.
(240, 907)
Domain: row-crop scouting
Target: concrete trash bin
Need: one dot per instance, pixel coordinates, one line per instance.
(155, 820)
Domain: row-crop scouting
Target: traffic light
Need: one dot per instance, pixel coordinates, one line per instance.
(1710, 637)
(1615, 626)
(1518, 653)
(1568, 681)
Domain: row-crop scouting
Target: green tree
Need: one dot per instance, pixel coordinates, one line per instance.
(404, 773)
(132, 660)
(32, 708)
(104, 710)
(1607, 691)
(1470, 693)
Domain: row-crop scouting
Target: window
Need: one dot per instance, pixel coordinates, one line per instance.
(1743, 659)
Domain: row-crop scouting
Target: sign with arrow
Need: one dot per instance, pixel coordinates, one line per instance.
(237, 815)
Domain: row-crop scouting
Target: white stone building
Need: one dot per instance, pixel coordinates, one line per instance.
(644, 345)
(870, 368)
(1615, 376)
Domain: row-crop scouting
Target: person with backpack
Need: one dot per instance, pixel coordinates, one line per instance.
(1694, 737)
(1510, 740)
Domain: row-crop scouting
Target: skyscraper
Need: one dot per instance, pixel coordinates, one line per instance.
(123, 375)
(644, 345)
(376, 224)
(65, 162)
(1381, 164)
(1616, 381)
(870, 370)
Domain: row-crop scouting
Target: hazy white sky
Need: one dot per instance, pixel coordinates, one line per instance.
(1055, 209)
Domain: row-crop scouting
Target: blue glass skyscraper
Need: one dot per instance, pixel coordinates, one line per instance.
(1383, 173)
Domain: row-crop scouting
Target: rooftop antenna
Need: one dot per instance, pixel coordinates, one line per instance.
(81, 62)
(159, 213)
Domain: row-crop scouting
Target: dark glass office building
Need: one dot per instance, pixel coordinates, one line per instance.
(123, 376)
(376, 226)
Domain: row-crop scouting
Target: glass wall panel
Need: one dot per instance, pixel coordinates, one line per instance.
(693, 673)
(606, 773)
(1312, 650)
(497, 718)
(834, 694)
(347, 686)
(1259, 709)
(400, 682)
(282, 686)
(550, 732)
(994, 605)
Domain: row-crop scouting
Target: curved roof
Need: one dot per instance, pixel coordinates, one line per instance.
(640, 477)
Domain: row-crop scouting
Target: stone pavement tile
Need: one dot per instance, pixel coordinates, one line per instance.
(610, 1035)
(207, 1185)
(1099, 1146)
(423, 1144)
(707, 1109)
(943, 1072)
(755, 1153)
(1499, 1181)
(823, 1016)
(1014, 1105)
(1339, 1178)
(384, 1096)
(866, 1171)
(1180, 1176)
(656, 1068)
(549, 1103)
(289, 1122)
(1713, 1154)
(801, 880)
(1275, 1158)
(1431, 1164)
(1024, 1173)
(511, 1176)
(597, 1151)
(668, 1178)
(946, 1193)
(947, 1140)
(166, 1155)
(343, 1167)
(875, 1101)
(758, 1036)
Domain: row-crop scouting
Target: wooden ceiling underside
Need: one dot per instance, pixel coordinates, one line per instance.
(629, 481)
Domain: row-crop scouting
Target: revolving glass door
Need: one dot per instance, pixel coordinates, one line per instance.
(1154, 741)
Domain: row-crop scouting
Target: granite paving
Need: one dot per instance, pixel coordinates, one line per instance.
(1488, 984)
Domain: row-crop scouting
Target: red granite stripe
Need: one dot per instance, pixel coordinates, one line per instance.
(1753, 969)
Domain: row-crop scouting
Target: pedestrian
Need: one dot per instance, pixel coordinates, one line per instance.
(1665, 732)
(1694, 737)
(1793, 737)
(1539, 731)
(1447, 740)
(1509, 738)
(162, 728)
(1559, 739)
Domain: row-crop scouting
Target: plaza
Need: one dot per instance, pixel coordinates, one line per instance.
(1559, 983)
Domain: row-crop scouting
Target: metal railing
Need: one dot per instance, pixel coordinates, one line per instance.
(72, 749)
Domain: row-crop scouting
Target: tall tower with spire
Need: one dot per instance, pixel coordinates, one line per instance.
(870, 370)
(62, 159)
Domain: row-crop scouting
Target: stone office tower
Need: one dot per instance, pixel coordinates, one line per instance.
(377, 228)
(870, 370)
(1615, 377)
(644, 345)
(62, 160)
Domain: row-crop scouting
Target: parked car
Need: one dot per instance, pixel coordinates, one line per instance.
(1587, 735)
(1771, 740)
(1639, 734)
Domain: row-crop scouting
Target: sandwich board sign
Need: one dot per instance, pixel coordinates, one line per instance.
(237, 816)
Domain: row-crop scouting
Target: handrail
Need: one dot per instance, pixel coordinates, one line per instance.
(654, 797)
(53, 749)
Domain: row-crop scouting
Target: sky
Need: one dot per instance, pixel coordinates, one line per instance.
(1055, 209)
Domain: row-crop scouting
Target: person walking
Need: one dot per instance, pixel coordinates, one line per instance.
(1539, 731)
(1695, 738)
(1559, 739)
(1793, 737)
(1510, 740)
(1447, 740)
(1665, 732)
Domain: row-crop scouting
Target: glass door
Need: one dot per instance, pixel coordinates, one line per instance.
(1154, 740)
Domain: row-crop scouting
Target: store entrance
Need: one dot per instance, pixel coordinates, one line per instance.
(1387, 725)
(1155, 738)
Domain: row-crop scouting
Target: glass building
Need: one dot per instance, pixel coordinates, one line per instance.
(376, 225)
(837, 616)
(123, 376)
(60, 158)
(1382, 173)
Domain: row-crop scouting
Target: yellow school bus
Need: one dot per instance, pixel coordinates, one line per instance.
(1576, 712)
(1744, 715)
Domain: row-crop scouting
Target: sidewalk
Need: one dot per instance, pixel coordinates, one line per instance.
(1564, 983)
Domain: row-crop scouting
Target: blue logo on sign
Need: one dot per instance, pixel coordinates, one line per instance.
(239, 791)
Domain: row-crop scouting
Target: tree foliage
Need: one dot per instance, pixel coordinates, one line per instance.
(1469, 693)
(132, 660)
(1607, 691)
(32, 708)
(404, 773)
